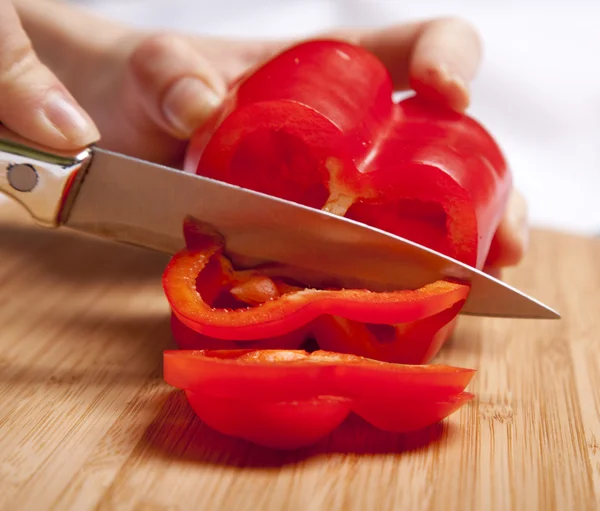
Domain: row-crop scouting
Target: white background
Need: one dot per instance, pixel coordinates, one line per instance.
(538, 90)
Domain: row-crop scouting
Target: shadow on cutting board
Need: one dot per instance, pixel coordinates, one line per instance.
(69, 256)
(177, 434)
(100, 316)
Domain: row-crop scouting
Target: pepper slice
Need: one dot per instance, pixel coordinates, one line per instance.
(209, 297)
(290, 398)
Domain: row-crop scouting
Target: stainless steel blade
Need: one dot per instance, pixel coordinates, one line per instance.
(144, 204)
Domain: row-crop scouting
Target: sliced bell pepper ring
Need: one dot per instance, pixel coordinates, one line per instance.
(296, 309)
(290, 398)
(209, 297)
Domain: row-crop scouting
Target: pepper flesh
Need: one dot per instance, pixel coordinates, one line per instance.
(199, 281)
(290, 398)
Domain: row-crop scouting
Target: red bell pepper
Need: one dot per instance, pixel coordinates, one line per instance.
(317, 125)
(289, 398)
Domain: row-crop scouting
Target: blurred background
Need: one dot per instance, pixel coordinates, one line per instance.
(538, 90)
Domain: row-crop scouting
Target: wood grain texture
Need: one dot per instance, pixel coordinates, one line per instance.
(87, 423)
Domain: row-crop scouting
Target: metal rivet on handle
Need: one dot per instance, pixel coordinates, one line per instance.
(22, 177)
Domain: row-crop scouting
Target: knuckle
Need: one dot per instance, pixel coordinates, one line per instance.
(18, 61)
(155, 48)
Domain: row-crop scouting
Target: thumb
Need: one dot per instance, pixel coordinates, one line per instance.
(33, 102)
(178, 88)
(512, 236)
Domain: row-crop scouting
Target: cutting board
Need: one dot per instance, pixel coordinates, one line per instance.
(86, 421)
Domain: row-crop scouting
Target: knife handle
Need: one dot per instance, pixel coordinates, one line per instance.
(39, 178)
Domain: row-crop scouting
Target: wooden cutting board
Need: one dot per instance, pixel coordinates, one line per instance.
(87, 423)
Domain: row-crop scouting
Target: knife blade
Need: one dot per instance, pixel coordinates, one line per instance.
(132, 201)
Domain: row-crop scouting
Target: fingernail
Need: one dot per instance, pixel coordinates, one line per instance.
(459, 96)
(188, 104)
(69, 120)
(446, 74)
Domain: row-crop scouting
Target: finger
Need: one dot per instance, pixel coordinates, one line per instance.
(444, 61)
(512, 237)
(437, 58)
(33, 102)
(178, 87)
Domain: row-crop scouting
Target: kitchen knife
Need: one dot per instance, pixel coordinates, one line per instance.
(128, 200)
